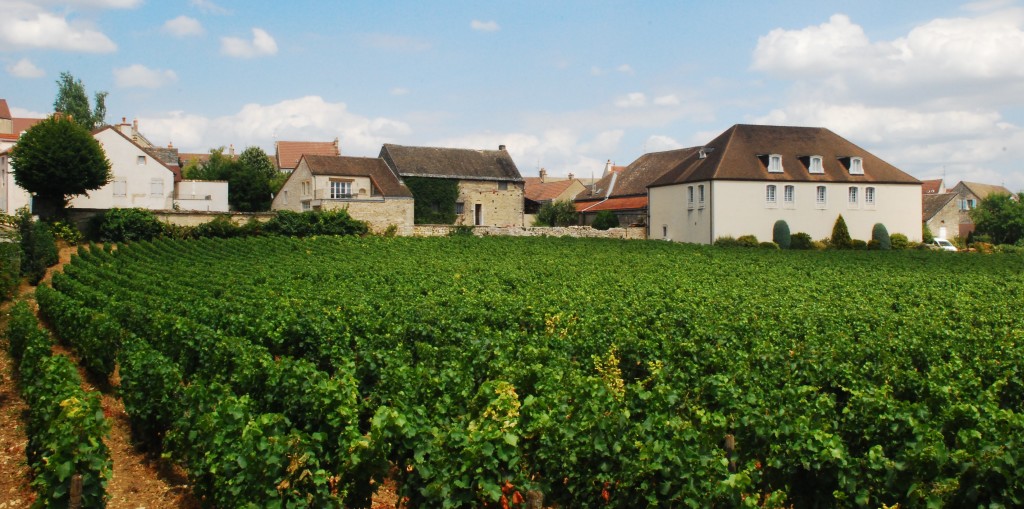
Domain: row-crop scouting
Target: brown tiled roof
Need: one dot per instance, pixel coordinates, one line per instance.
(737, 154)
(289, 152)
(454, 163)
(9, 137)
(983, 190)
(633, 180)
(372, 167)
(931, 204)
(931, 186)
(624, 203)
(538, 190)
(5, 112)
(23, 124)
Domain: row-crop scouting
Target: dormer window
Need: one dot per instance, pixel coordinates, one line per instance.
(814, 165)
(854, 164)
(774, 163)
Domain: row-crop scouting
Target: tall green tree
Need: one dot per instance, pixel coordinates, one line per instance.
(249, 184)
(840, 235)
(72, 101)
(1001, 217)
(217, 167)
(56, 160)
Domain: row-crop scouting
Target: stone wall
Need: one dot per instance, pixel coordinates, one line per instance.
(630, 233)
(498, 207)
(379, 214)
(81, 217)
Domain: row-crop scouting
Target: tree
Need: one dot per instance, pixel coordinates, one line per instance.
(841, 235)
(55, 160)
(880, 235)
(780, 234)
(217, 167)
(72, 101)
(249, 183)
(557, 213)
(1001, 217)
(605, 219)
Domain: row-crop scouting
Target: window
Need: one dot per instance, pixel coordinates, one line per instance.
(815, 165)
(852, 193)
(869, 196)
(967, 204)
(769, 195)
(502, 186)
(700, 194)
(340, 189)
(820, 197)
(664, 231)
(285, 198)
(156, 188)
(775, 163)
(141, 160)
(689, 197)
(789, 195)
(460, 208)
(856, 166)
(306, 205)
(307, 188)
(120, 187)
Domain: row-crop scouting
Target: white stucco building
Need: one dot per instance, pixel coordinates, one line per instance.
(750, 176)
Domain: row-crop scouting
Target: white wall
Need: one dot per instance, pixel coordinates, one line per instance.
(12, 197)
(736, 208)
(201, 195)
(143, 183)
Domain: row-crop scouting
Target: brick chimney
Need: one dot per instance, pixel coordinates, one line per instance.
(501, 147)
(572, 176)
(543, 174)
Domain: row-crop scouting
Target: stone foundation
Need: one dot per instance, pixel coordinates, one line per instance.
(440, 230)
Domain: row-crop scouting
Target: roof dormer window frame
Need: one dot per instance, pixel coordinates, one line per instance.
(775, 163)
(854, 164)
(815, 164)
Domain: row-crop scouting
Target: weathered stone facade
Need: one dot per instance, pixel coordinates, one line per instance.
(495, 206)
(379, 214)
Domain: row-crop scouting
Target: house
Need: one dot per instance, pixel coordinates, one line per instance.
(364, 186)
(490, 188)
(623, 190)
(948, 213)
(751, 176)
(288, 153)
(933, 186)
(12, 197)
(543, 189)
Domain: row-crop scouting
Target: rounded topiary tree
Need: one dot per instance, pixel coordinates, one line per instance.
(840, 235)
(881, 235)
(780, 234)
(604, 220)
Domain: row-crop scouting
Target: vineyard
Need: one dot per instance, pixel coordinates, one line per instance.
(496, 372)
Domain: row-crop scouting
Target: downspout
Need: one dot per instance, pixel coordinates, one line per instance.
(711, 210)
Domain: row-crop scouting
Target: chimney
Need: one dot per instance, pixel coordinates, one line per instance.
(543, 174)
(231, 150)
(337, 147)
(607, 168)
(572, 176)
(501, 147)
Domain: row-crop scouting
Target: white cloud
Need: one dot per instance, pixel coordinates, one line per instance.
(632, 100)
(399, 91)
(29, 27)
(102, 4)
(625, 69)
(140, 76)
(23, 113)
(484, 26)
(183, 26)
(597, 71)
(305, 118)
(262, 44)
(667, 100)
(660, 143)
(208, 7)
(24, 68)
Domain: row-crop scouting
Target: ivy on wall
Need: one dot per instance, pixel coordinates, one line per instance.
(435, 199)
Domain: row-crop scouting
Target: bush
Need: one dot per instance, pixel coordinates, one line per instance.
(605, 219)
(899, 241)
(800, 240)
(38, 250)
(316, 222)
(126, 225)
(858, 244)
(390, 231)
(926, 234)
(461, 230)
(840, 235)
(780, 234)
(558, 213)
(818, 245)
(66, 231)
(880, 235)
(747, 241)
(10, 268)
(726, 241)
(768, 245)
(220, 227)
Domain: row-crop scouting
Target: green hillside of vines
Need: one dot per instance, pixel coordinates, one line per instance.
(485, 371)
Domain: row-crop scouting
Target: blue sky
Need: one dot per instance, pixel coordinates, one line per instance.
(934, 87)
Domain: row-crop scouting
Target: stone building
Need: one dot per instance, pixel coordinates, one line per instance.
(490, 188)
(364, 186)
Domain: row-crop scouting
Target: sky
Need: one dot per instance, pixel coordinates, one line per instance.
(934, 87)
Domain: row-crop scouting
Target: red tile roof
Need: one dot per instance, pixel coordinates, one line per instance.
(289, 152)
(345, 166)
(22, 124)
(538, 191)
(5, 112)
(626, 203)
(9, 137)
(931, 186)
